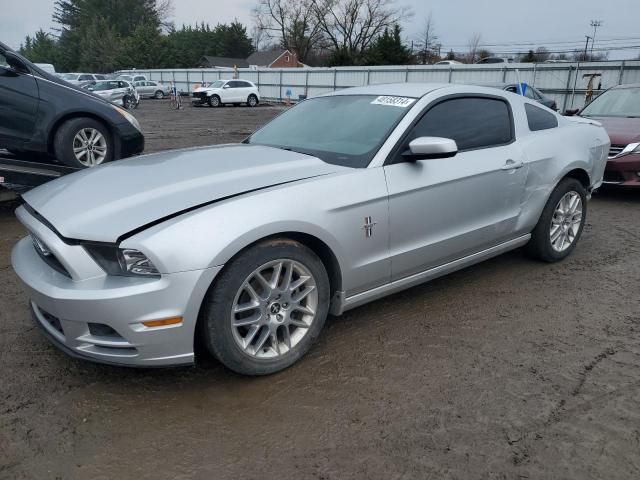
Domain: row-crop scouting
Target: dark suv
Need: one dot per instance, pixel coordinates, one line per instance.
(42, 115)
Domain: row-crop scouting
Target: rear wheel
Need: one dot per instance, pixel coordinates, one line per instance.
(561, 223)
(252, 101)
(159, 95)
(267, 308)
(82, 143)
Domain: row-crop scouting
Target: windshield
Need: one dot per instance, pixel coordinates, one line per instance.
(216, 84)
(618, 102)
(345, 130)
(69, 76)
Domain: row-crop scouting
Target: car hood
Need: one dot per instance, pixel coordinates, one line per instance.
(206, 89)
(621, 130)
(105, 203)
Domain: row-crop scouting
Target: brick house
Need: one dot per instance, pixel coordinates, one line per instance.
(274, 59)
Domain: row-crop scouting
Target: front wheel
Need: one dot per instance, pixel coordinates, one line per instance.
(214, 101)
(267, 308)
(128, 102)
(561, 223)
(83, 142)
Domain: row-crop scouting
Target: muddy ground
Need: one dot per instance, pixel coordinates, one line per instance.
(509, 369)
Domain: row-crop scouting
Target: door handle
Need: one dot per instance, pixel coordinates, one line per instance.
(512, 165)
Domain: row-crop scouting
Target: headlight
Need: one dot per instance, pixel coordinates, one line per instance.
(629, 149)
(121, 261)
(130, 118)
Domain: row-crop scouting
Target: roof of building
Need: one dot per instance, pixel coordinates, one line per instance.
(226, 62)
(265, 58)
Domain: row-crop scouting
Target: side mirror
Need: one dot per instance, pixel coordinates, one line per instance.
(16, 63)
(571, 112)
(227, 86)
(426, 148)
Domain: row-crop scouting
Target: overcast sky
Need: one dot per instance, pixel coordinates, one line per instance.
(543, 22)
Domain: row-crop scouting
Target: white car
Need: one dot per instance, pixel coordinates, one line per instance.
(223, 92)
(448, 62)
(132, 78)
(78, 78)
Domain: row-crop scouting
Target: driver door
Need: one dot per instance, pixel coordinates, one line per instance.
(19, 100)
(447, 208)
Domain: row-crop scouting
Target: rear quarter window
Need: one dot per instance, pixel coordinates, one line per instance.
(539, 119)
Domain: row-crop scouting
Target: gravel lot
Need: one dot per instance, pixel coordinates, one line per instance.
(509, 369)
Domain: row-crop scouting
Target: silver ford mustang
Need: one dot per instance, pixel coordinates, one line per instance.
(339, 201)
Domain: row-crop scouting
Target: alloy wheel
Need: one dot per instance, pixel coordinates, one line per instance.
(566, 221)
(90, 147)
(274, 309)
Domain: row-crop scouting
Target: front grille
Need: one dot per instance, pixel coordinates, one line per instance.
(615, 150)
(200, 95)
(612, 176)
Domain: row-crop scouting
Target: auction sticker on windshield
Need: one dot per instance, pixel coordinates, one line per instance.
(402, 102)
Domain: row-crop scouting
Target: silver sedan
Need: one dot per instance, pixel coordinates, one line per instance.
(339, 201)
(150, 89)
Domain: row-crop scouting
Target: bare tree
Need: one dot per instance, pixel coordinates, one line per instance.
(351, 25)
(427, 41)
(474, 44)
(542, 54)
(292, 22)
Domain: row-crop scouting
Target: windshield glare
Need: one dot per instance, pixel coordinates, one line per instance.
(345, 130)
(216, 84)
(618, 102)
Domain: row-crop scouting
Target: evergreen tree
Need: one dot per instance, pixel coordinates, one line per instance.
(388, 49)
(41, 49)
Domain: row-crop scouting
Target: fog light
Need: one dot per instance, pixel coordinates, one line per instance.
(163, 323)
(638, 174)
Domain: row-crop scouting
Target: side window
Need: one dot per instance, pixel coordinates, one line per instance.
(529, 93)
(234, 84)
(99, 77)
(473, 122)
(539, 119)
(85, 77)
(152, 84)
(3, 61)
(511, 89)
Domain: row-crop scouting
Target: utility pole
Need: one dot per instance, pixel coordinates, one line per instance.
(586, 45)
(595, 24)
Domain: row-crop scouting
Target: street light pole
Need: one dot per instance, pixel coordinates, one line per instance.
(595, 24)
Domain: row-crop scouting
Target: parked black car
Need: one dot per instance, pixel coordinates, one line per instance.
(43, 116)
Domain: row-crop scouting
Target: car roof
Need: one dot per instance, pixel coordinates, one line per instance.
(414, 90)
(628, 85)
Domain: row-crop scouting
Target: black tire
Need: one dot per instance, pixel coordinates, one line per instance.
(215, 317)
(159, 95)
(64, 137)
(128, 102)
(540, 246)
(252, 101)
(214, 101)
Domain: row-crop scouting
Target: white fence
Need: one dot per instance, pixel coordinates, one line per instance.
(563, 82)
